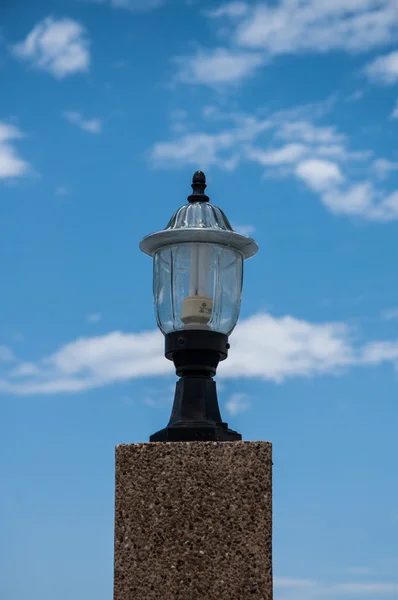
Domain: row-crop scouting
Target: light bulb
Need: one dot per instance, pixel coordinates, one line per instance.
(197, 308)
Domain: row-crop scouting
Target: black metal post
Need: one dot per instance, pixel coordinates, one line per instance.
(196, 415)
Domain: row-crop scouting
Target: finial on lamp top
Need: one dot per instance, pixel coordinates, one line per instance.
(198, 186)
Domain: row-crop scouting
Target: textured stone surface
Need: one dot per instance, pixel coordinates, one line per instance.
(193, 521)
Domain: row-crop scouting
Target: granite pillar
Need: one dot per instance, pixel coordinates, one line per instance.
(193, 521)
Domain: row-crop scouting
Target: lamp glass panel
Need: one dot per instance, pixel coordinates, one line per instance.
(197, 286)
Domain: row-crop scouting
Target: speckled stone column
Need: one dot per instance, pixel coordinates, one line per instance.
(193, 521)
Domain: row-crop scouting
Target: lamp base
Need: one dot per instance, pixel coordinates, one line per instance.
(196, 433)
(196, 415)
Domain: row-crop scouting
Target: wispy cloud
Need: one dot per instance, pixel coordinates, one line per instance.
(237, 404)
(394, 114)
(217, 66)
(94, 317)
(6, 355)
(357, 571)
(283, 155)
(365, 588)
(235, 142)
(263, 346)
(376, 353)
(384, 69)
(179, 121)
(11, 164)
(127, 400)
(308, 132)
(362, 200)
(355, 96)
(288, 583)
(89, 125)
(60, 47)
(244, 229)
(211, 149)
(311, 26)
(290, 143)
(132, 5)
(61, 191)
(318, 174)
(224, 149)
(231, 10)
(383, 168)
(312, 588)
(91, 362)
(254, 33)
(389, 314)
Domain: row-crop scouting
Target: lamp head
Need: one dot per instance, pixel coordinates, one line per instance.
(198, 266)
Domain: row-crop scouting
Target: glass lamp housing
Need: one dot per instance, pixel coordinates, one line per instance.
(197, 286)
(198, 269)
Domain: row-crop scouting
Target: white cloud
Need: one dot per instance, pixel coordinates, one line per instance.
(355, 96)
(218, 66)
(306, 141)
(293, 26)
(94, 317)
(290, 145)
(19, 337)
(317, 589)
(384, 69)
(60, 47)
(179, 114)
(6, 355)
(25, 369)
(223, 149)
(132, 5)
(227, 147)
(61, 191)
(356, 200)
(364, 588)
(89, 125)
(384, 167)
(376, 353)
(357, 571)
(288, 583)
(11, 165)
(237, 404)
(305, 131)
(319, 174)
(92, 362)
(389, 314)
(277, 348)
(394, 114)
(127, 400)
(340, 152)
(244, 229)
(262, 346)
(288, 154)
(179, 126)
(136, 4)
(362, 200)
(253, 33)
(179, 120)
(232, 10)
(194, 147)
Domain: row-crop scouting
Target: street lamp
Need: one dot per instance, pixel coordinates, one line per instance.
(197, 287)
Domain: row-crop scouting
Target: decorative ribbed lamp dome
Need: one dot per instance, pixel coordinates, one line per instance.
(199, 221)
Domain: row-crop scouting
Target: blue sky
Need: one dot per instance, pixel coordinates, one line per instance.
(106, 109)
